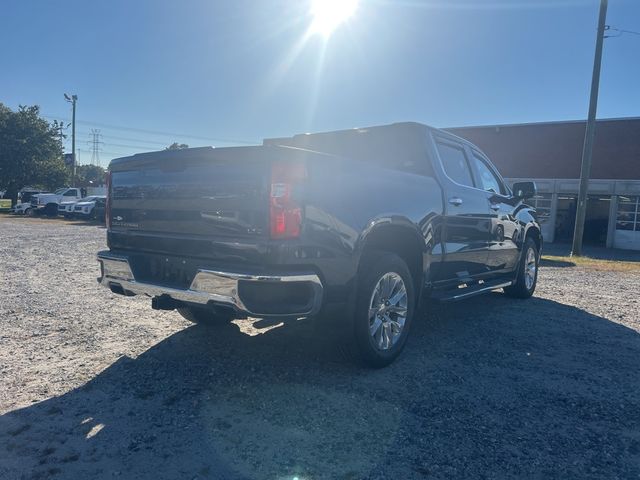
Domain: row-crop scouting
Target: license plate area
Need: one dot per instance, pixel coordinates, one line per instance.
(170, 271)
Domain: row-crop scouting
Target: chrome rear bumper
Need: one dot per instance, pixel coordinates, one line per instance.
(207, 286)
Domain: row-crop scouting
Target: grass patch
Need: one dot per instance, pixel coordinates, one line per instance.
(590, 263)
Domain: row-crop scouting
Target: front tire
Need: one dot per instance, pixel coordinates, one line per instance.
(527, 278)
(384, 310)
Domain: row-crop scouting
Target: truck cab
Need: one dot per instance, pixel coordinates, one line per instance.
(48, 203)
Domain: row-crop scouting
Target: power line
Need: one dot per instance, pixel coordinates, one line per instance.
(129, 139)
(148, 144)
(121, 146)
(127, 147)
(158, 132)
(628, 31)
(116, 154)
(137, 147)
(620, 31)
(144, 143)
(109, 153)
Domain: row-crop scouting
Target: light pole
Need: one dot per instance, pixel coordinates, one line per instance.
(587, 150)
(73, 99)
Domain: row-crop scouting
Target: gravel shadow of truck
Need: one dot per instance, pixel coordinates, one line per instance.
(551, 392)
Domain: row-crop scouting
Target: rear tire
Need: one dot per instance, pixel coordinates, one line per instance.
(527, 277)
(204, 316)
(28, 212)
(384, 309)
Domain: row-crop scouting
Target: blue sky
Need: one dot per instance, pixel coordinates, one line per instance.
(226, 72)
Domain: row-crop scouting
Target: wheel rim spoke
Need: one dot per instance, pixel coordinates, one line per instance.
(396, 326)
(530, 269)
(388, 310)
(401, 293)
(401, 311)
(377, 323)
(387, 286)
(385, 332)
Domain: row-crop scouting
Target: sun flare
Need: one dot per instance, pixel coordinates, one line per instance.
(329, 14)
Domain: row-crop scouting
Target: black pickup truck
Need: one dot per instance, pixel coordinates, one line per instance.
(359, 225)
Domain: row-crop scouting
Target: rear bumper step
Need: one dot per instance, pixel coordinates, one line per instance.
(251, 294)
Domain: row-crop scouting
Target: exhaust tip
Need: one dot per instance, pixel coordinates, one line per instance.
(116, 288)
(164, 302)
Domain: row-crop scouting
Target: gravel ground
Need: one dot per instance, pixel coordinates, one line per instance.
(98, 386)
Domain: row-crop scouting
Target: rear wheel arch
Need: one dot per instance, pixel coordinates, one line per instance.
(400, 239)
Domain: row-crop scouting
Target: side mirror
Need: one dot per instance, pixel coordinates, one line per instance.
(524, 190)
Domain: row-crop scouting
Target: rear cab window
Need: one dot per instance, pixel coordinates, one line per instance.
(402, 148)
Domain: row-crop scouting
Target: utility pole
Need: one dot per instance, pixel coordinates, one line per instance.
(587, 149)
(95, 147)
(73, 99)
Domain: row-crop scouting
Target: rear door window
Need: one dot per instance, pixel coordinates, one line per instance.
(454, 162)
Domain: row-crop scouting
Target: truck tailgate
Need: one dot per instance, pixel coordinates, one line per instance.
(192, 193)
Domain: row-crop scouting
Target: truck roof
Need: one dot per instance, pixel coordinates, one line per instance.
(362, 133)
(406, 139)
(375, 142)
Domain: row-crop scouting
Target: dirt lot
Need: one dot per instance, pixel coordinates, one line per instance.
(99, 386)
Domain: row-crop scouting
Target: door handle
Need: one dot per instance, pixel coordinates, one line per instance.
(495, 207)
(455, 201)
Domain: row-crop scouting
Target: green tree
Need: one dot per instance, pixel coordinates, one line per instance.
(90, 175)
(177, 146)
(30, 151)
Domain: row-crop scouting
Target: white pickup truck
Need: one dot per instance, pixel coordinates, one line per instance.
(47, 203)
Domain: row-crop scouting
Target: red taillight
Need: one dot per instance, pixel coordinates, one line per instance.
(284, 211)
(108, 202)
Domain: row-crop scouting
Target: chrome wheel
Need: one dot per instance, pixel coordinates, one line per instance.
(530, 268)
(388, 310)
